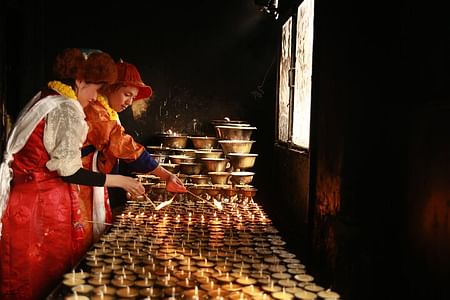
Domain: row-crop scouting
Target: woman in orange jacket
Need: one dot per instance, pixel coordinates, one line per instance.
(107, 143)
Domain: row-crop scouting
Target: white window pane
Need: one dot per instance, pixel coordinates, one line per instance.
(284, 89)
(303, 71)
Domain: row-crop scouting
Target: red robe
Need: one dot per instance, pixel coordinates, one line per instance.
(41, 234)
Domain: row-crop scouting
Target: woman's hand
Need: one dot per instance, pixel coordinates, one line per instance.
(175, 185)
(127, 183)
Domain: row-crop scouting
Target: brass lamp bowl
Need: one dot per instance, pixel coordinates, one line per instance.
(248, 191)
(199, 179)
(213, 191)
(236, 146)
(242, 160)
(242, 177)
(215, 164)
(184, 151)
(176, 159)
(158, 188)
(229, 191)
(243, 133)
(190, 168)
(183, 177)
(227, 121)
(208, 153)
(173, 168)
(159, 149)
(198, 189)
(176, 141)
(148, 178)
(219, 177)
(148, 186)
(203, 142)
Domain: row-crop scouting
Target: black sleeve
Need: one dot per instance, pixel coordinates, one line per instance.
(85, 177)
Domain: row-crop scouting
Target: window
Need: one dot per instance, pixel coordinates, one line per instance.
(294, 109)
(284, 86)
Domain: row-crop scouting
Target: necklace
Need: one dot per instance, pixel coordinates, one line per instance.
(111, 112)
(62, 89)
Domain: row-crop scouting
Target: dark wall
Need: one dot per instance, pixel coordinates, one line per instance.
(204, 59)
(378, 159)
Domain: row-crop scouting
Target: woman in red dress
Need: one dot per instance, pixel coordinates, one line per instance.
(41, 233)
(107, 142)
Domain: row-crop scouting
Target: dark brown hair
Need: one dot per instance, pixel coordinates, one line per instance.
(97, 67)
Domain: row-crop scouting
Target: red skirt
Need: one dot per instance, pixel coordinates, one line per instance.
(39, 241)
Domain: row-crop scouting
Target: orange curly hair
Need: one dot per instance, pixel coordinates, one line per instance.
(97, 67)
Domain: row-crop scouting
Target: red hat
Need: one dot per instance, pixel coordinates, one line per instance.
(128, 74)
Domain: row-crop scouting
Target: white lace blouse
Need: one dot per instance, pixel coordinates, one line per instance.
(64, 134)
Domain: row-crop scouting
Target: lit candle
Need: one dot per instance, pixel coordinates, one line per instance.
(313, 288)
(121, 282)
(303, 278)
(287, 283)
(143, 283)
(208, 286)
(271, 287)
(194, 294)
(98, 280)
(151, 292)
(328, 294)
(127, 292)
(83, 288)
(205, 264)
(73, 281)
(282, 295)
(101, 296)
(305, 295)
(186, 283)
(106, 290)
(231, 287)
(246, 281)
(217, 293)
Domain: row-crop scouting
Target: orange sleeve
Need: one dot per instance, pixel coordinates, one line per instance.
(110, 139)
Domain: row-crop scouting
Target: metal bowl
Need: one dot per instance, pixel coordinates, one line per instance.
(242, 160)
(236, 146)
(203, 142)
(215, 164)
(242, 177)
(198, 189)
(159, 188)
(148, 186)
(213, 191)
(173, 168)
(229, 191)
(187, 152)
(159, 149)
(176, 159)
(219, 177)
(243, 133)
(148, 178)
(183, 177)
(190, 168)
(199, 179)
(227, 121)
(208, 153)
(248, 191)
(176, 141)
